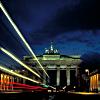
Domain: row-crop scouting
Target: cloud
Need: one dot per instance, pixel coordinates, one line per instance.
(85, 37)
(63, 21)
(84, 16)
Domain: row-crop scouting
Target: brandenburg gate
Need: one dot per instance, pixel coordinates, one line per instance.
(52, 60)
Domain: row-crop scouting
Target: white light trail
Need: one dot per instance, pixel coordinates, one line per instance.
(17, 60)
(52, 87)
(21, 36)
(16, 74)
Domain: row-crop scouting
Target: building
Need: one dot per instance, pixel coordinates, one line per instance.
(62, 69)
(95, 81)
(8, 82)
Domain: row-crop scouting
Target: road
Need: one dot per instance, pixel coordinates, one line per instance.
(47, 96)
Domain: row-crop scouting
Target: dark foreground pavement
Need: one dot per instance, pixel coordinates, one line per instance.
(45, 96)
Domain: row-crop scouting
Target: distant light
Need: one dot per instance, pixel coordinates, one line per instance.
(87, 70)
(17, 60)
(74, 87)
(52, 87)
(84, 93)
(45, 86)
(49, 91)
(16, 74)
(64, 87)
(20, 35)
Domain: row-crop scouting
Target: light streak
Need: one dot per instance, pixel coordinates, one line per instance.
(16, 74)
(64, 87)
(16, 84)
(19, 87)
(52, 87)
(20, 35)
(17, 60)
(19, 84)
(25, 85)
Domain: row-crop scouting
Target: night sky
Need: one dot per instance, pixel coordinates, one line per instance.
(72, 25)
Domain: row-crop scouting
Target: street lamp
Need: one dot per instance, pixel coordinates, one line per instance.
(87, 70)
(87, 79)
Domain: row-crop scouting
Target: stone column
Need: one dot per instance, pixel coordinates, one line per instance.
(12, 81)
(2, 81)
(76, 71)
(17, 79)
(58, 76)
(77, 76)
(44, 78)
(68, 75)
(7, 83)
(24, 81)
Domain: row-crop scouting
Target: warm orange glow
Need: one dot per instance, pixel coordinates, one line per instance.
(5, 82)
(94, 80)
(84, 93)
(97, 80)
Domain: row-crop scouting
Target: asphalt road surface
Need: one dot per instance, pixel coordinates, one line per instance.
(46, 96)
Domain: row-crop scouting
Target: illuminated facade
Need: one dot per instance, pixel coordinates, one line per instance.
(95, 81)
(18, 79)
(6, 82)
(61, 68)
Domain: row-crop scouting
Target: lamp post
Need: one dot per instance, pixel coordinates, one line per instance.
(87, 79)
(87, 70)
